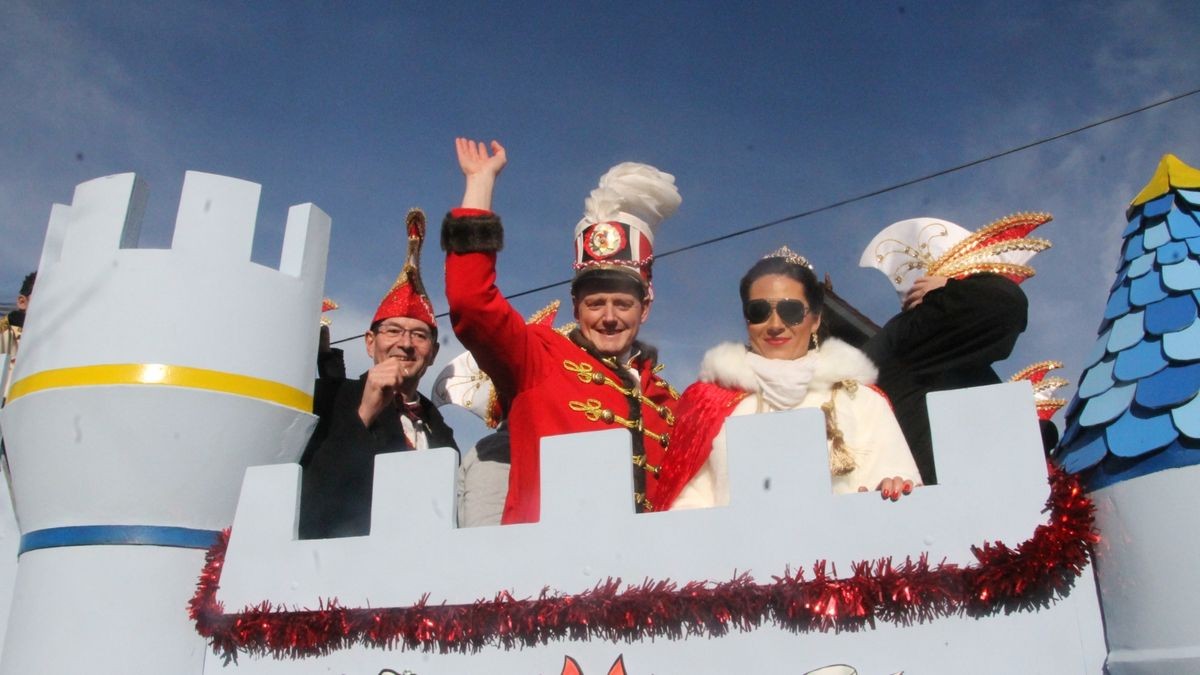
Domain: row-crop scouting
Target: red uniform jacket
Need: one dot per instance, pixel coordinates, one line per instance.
(550, 384)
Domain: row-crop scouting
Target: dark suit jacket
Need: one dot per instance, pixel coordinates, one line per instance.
(339, 464)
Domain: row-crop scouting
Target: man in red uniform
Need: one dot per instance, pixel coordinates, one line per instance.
(599, 375)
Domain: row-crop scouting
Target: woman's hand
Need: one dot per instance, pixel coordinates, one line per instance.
(480, 169)
(920, 287)
(892, 488)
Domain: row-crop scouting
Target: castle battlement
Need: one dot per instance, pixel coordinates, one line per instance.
(201, 303)
(782, 516)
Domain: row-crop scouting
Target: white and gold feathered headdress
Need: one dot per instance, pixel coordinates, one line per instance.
(910, 249)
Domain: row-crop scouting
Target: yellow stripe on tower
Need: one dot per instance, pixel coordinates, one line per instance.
(162, 374)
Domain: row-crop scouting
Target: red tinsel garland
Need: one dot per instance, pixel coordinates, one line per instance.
(1034, 574)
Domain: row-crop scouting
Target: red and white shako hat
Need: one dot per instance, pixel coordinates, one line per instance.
(615, 238)
(407, 297)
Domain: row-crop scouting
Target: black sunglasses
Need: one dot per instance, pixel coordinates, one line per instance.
(791, 312)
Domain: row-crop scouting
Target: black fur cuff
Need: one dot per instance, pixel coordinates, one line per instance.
(472, 234)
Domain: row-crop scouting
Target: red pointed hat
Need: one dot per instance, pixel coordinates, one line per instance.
(407, 297)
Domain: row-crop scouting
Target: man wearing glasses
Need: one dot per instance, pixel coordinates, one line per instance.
(380, 411)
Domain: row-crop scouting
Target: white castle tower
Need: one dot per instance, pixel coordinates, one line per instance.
(148, 381)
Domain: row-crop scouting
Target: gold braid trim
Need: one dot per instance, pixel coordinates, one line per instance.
(987, 255)
(640, 462)
(970, 269)
(1028, 371)
(970, 244)
(596, 412)
(588, 374)
(841, 461)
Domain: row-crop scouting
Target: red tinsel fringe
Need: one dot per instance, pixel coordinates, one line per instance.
(1034, 574)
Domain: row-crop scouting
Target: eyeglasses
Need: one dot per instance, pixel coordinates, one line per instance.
(416, 335)
(791, 312)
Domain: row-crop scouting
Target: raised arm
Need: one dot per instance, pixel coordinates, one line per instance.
(482, 318)
(480, 169)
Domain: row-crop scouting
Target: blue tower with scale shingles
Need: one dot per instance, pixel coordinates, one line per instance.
(1136, 411)
(1133, 433)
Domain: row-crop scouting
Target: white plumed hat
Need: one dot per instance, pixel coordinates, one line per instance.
(621, 218)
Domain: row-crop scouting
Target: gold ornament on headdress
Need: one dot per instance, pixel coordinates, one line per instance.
(979, 252)
(790, 256)
(1044, 386)
(919, 256)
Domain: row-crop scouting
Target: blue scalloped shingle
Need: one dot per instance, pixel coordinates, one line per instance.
(1182, 276)
(1099, 349)
(1170, 315)
(1159, 206)
(1122, 275)
(1183, 345)
(1176, 384)
(1190, 196)
(1182, 225)
(1131, 227)
(1139, 431)
(1118, 303)
(1174, 456)
(1187, 418)
(1069, 411)
(1193, 244)
(1107, 406)
(1169, 254)
(1156, 236)
(1142, 264)
(1141, 360)
(1071, 431)
(1126, 331)
(1097, 379)
(1085, 451)
(1133, 247)
(1145, 290)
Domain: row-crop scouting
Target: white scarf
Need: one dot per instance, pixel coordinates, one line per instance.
(783, 383)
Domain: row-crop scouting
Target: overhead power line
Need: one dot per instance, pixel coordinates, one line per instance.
(872, 193)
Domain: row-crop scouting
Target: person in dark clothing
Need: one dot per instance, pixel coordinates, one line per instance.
(948, 340)
(961, 311)
(10, 330)
(379, 412)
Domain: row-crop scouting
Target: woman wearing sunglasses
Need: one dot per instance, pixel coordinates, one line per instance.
(785, 366)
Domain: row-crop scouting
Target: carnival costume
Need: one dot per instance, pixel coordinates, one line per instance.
(864, 441)
(481, 485)
(560, 384)
(11, 325)
(340, 460)
(10, 338)
(952, 338)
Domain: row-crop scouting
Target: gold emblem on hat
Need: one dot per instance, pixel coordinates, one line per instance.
(603, 240)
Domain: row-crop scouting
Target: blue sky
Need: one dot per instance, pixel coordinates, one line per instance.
(761, 110)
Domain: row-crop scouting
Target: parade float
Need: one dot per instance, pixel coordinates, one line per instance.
(153, 476)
